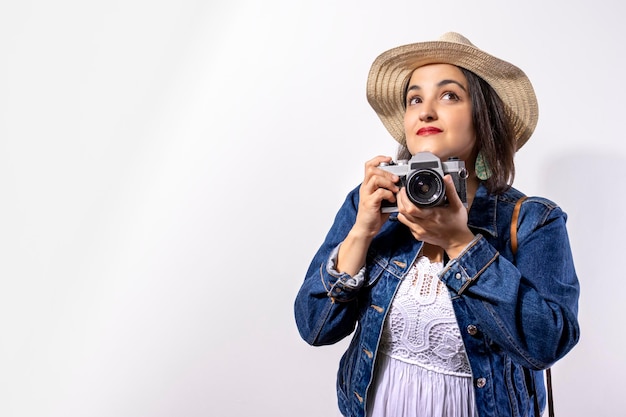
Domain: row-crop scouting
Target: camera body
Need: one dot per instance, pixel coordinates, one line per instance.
(422, 176)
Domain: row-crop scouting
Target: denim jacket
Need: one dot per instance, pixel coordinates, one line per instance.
(517, 314)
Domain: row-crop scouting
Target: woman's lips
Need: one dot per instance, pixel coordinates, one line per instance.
(428, 131)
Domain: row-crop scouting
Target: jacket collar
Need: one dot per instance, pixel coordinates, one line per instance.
(482, 214)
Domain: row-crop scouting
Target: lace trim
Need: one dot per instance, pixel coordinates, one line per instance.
(421, 327)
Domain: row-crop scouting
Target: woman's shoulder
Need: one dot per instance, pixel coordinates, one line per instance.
(513, 195)
(540, 208)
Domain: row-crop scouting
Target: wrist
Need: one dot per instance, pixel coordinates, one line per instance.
(353, 252)
(357, 234)
(457, 248)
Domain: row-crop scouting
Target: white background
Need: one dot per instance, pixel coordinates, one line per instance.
(168, 169)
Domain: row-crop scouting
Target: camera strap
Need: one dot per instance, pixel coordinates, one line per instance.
(514, 220)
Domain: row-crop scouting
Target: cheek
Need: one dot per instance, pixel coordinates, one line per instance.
(411, 118)
(407, 121)
(409, 131)
(465, 125)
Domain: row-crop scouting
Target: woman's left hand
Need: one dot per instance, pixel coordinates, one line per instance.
(443, 226)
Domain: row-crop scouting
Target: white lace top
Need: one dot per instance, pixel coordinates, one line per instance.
(422, 368)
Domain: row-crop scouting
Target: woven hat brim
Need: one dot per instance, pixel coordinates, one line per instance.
(391, 72)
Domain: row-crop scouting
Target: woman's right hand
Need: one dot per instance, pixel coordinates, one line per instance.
(377, 185)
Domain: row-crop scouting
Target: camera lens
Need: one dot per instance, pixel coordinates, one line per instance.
(425, 188)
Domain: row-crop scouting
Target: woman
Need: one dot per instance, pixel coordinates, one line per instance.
(449, 320)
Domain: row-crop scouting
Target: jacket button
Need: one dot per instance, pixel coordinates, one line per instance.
(458, 275)
(481, 382)
(472, 330)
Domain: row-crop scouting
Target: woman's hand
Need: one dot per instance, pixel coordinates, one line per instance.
(442, 226)
(377, 185)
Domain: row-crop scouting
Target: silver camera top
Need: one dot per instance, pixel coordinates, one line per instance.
(422, 176)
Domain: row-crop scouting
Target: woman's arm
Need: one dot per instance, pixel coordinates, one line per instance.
(528, 307)
(326, 306)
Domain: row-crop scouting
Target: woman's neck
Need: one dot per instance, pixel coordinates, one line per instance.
(432, 252)
(471, 186)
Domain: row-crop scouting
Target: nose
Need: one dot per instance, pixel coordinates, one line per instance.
(427, 113)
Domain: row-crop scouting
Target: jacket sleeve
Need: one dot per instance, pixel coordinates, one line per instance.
(527, 305)
(326, 306)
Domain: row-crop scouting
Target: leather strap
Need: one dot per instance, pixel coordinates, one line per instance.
(550, 396)
(514, 220)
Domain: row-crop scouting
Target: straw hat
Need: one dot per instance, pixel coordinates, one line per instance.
(391, 72)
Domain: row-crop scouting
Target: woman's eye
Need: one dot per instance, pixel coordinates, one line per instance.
(450, 96)
(414, 100)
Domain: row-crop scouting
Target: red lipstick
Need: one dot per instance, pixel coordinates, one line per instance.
(429, 130)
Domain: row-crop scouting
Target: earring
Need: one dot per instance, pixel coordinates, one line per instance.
(481, 167)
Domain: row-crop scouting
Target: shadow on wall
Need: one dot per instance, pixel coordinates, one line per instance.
(590, 189)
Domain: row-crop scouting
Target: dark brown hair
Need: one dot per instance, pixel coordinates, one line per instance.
(495, 137)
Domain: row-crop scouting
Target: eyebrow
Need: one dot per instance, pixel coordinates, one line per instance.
(439, 84)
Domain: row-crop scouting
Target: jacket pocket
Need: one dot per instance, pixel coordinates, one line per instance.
(347, 365)
(517, 383)
(375, 270)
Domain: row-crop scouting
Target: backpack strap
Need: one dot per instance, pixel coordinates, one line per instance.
(514, 220)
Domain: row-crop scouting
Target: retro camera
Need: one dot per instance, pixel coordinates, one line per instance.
(422, 176)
